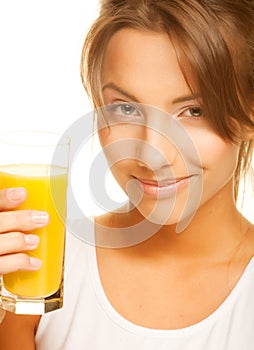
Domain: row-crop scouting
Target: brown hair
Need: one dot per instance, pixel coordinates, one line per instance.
(214, 43)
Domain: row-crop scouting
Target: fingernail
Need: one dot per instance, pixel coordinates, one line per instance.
(32, 240)
(16, 194)
(40, 217)
(36, 263)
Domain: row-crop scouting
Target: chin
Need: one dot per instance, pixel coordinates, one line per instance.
(161, 214)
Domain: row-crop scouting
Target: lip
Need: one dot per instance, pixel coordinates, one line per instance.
(163, 188)
(162, 183)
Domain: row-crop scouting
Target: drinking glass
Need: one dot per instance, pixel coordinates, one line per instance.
(28, 160)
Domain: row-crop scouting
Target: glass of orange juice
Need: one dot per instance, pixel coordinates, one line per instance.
(37, 161)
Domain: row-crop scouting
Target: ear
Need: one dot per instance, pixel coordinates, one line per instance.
(248, 131)
(249, 136)
(244, 133)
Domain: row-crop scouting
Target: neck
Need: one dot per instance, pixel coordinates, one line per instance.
(215, 233)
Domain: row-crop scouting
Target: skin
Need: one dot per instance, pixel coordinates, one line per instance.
(218, 243)
(158, 277)
(160, 87)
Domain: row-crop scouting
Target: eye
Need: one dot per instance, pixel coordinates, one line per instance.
(127, 109)
(195, 112)
(123, 111)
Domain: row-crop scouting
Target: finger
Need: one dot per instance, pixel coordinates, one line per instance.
(12, 197)
(20, 261)
(22, 220)
(16, 241)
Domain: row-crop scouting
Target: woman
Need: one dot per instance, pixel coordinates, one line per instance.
(176, 79)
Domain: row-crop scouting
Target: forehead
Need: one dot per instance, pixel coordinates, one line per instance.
(143, 62)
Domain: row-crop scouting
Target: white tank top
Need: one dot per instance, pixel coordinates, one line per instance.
(89, 322)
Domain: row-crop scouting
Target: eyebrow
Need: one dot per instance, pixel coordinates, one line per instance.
(121, 91)
(176, 100)
(185, 98)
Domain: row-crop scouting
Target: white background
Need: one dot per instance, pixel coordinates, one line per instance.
(40, 86)
(41, 42)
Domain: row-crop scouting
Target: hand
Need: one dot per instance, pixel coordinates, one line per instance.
(2, 315)
(13, 223)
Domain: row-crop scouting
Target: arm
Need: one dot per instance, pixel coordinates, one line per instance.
(18, 332)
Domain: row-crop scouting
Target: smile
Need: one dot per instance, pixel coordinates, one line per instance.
(162, 189)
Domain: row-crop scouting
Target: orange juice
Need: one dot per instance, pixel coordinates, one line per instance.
(40, 181)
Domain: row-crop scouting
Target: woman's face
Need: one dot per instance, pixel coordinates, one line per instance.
(161, 148)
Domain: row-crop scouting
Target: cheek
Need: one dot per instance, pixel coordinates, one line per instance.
(216, 152)
(117, 133)
(121, 170)
(109, 138)
(118, 146)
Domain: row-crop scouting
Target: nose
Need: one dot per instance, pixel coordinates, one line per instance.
(155, 150)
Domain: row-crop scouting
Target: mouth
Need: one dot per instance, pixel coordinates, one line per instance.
(162, 188)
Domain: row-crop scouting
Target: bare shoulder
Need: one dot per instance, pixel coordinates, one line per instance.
(251, 230)
(18, 331)
(248, 242)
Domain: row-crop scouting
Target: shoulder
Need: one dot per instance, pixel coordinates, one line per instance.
(249, 241)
